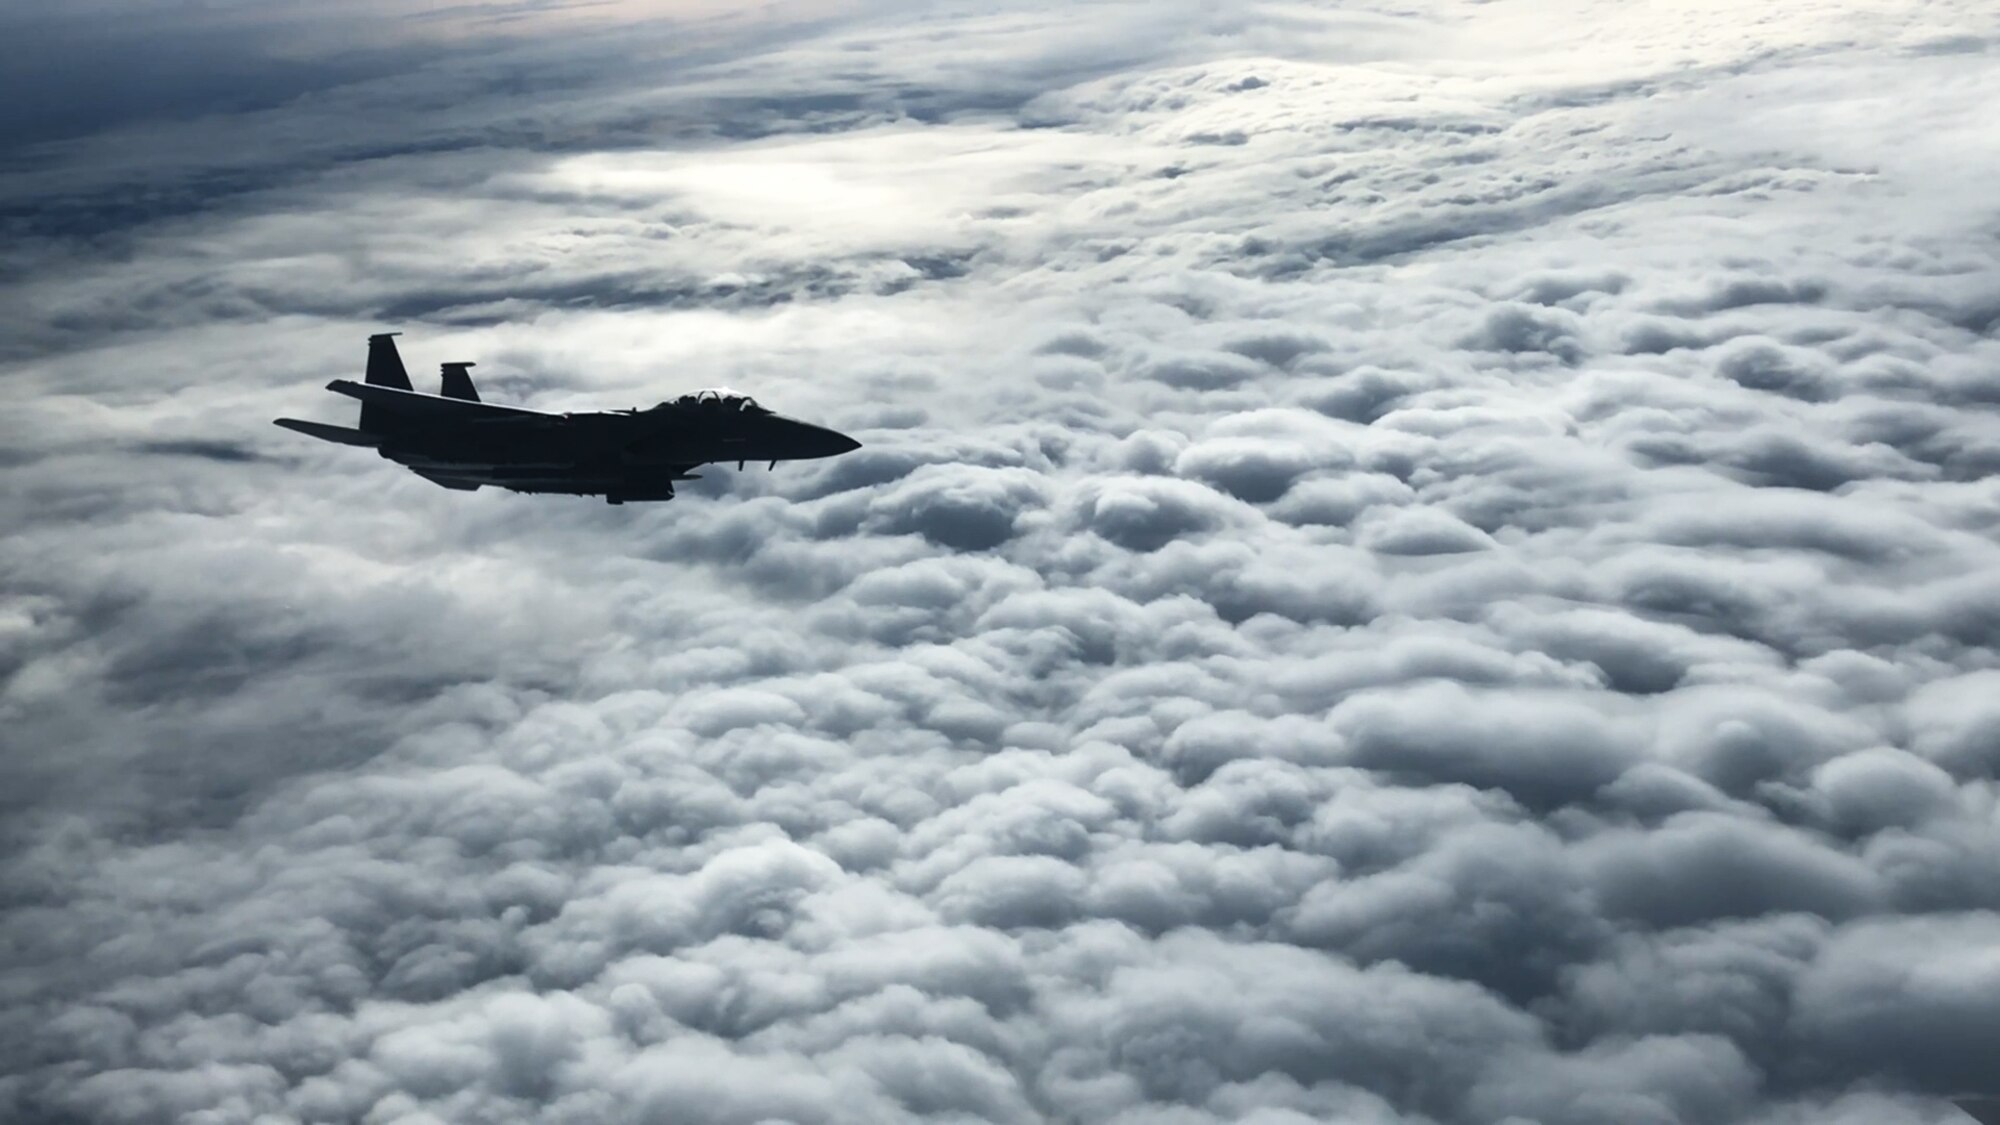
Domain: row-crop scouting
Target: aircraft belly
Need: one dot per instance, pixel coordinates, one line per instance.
(571, 479)
(433, 464)
(577, 460)
(481, 454)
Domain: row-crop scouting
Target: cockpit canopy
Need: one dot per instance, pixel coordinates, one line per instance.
(717, 400)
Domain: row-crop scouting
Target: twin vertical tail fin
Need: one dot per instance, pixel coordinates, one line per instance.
(388, 411)
(458, 382)
(385, 369)
(385, 364)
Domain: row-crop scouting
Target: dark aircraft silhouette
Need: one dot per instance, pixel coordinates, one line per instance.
(1984, 1110)
(459, 442)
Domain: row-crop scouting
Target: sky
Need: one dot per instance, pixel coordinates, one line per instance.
(1429, 562)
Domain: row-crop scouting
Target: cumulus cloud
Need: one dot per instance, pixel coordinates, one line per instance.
(1414, 565)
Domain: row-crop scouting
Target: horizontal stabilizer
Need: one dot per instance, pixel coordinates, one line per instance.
(324, 432)
(435, 407)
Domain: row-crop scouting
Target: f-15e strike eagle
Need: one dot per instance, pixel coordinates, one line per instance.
(458, 441)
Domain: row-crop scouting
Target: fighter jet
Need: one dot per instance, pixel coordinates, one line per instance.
(460, 442)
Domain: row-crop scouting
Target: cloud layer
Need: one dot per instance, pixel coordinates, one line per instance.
(1433, 564)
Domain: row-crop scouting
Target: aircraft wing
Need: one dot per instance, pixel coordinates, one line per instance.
(1986, 1111)
(433, 407)
(580, 481)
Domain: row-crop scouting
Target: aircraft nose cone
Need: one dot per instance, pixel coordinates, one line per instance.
(829, 443)
(793, 440)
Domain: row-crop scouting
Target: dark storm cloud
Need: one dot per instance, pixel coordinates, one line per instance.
(179, 115)
(71, 72)
(1407, 567)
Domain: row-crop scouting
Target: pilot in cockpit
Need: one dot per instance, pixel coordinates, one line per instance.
(715, 401)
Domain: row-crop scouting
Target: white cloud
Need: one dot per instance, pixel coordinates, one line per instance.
(1422, 565)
